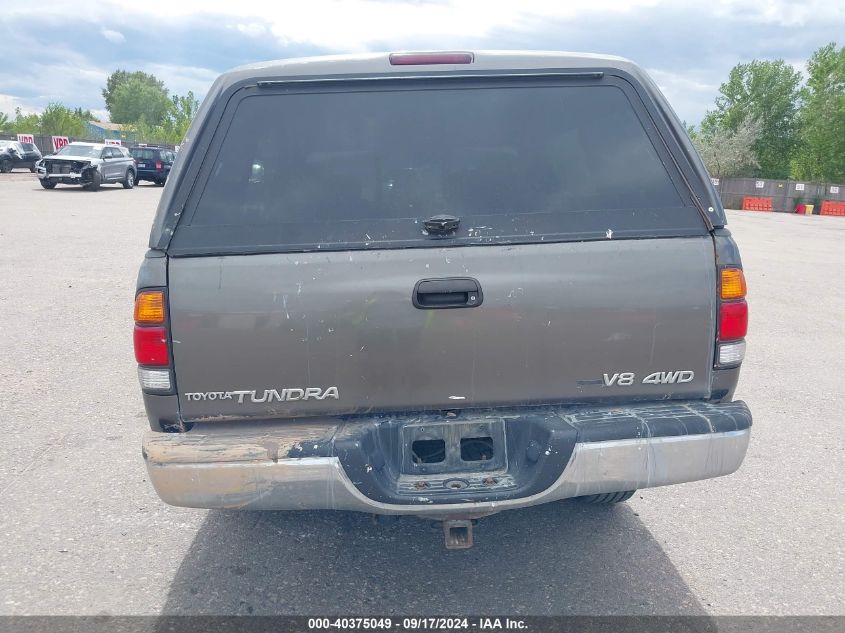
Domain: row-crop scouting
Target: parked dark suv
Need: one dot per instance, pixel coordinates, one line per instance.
(153, 163)
(15, 154)
(438, 284)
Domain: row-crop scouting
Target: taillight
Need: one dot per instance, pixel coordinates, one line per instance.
(158, 165)
(151, 346)
(422, 59)
(733, 318)
(733, 284)
(731, 354)
(149, 307)
(151, 341)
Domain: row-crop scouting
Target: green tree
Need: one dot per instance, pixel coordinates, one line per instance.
(820, 155)
(767, 92)
(84, 115)
(727, 153)
(183, 112)
(60, 120)
(136, 101)
(26, 123)
(5, 122)
(174, 126)
(120, 77)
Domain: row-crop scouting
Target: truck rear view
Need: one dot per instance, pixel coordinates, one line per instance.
(440, 285)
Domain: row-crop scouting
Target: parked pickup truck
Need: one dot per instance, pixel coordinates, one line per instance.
(438, 284)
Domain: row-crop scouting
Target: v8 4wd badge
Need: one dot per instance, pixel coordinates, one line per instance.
(628, 378)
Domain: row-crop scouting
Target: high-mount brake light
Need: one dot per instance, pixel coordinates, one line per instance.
(423, 59)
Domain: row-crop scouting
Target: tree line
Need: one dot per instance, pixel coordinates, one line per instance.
(56, 119)
(769, 121)
(138, 100)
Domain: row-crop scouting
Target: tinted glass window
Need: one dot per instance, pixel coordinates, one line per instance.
(76, 149)
(366, 169)
(143, 154)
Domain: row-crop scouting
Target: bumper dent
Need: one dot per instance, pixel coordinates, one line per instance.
(230, 471)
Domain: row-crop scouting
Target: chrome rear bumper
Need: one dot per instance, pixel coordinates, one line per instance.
(237, 474)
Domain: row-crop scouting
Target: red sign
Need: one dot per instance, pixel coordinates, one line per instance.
(112, 141)
(26, 138)
(59, 142)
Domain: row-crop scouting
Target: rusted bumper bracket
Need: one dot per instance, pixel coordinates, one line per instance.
(290, 466)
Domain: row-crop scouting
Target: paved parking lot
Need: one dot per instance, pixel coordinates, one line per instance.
(81, 530)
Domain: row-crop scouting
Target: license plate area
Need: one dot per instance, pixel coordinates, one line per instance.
(530, 450)
(440, 447)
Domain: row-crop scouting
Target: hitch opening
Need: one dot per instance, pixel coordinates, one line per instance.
(429, 451)
(458, 534)
(477, 449)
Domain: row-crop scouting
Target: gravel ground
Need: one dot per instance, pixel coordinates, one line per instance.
(83, 532)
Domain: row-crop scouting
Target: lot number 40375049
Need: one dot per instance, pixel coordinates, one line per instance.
(628, 378)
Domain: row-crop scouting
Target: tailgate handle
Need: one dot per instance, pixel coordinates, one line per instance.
(452, 292)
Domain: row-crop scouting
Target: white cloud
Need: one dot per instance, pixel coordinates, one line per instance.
(339, 25)
(690, 94)
(346, 25)
(116, 37)
(181, 79)
(8, 103)
(253, 29)
(779, 12)
(688, 45)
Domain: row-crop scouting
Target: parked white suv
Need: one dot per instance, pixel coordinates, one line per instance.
(89, 165)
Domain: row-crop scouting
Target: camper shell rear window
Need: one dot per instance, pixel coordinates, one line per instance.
(365, 164)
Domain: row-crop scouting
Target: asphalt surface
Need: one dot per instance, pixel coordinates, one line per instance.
(82, 532)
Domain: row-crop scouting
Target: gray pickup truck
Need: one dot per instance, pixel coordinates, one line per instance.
(438, 284)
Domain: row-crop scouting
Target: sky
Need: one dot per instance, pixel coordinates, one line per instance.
(63, 51)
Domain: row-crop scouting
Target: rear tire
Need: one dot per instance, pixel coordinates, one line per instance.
(47, 183)
(159, 183)
(5, 166)
(96, 180)
(129, 179)
(32, 169)
(608, 497)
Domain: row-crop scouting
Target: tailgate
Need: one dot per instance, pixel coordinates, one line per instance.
(287, 334)
(319, 208)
